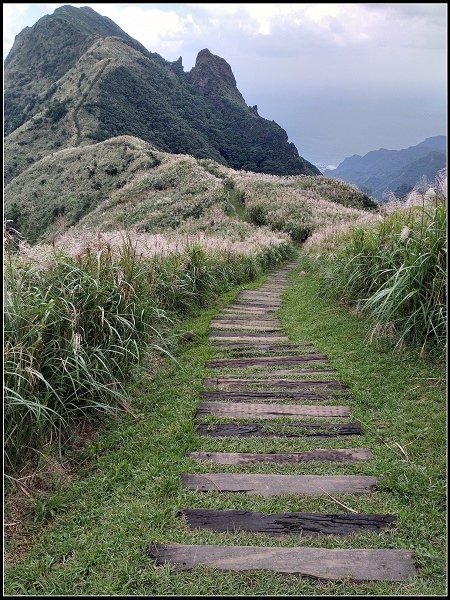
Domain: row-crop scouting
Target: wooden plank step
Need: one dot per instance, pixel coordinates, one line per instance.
(265, 396)
(230, 383)
(249, 334)
(267, 337)
(249, 306)
(261, 291)
(281, 286)
(294, 429)
(260, 371)
(253, 302)
(250, 313)
(244, 306)
(246, 319)
(266, 361)
(269, 411)
(279, 485)
(257, 319)
(268, 350)
(274, 290)
(260, 296)
(254, 350)
(244, 314)
(310, 524)
(261, 301)
(266, 328)
(247, 350)
(318, 563)
(244, 458)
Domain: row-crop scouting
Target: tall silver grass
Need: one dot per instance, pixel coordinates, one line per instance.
(75, 330)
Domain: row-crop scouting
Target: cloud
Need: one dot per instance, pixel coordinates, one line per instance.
(303, 64)
(13, 22)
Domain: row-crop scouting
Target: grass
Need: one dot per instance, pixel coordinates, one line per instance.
(395, 272)
(91, 537)
(75, 327)
(125, 182)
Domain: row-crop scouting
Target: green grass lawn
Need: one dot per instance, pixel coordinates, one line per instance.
(90, 537)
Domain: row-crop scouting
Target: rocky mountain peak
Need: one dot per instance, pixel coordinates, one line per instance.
(214, 77)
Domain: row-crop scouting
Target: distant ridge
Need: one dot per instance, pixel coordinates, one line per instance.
(381, 171)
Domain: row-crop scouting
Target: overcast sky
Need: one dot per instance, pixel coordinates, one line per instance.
(341, 79)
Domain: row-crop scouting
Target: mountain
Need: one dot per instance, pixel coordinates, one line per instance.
(75, 78)
(45, 52)
(381, 171)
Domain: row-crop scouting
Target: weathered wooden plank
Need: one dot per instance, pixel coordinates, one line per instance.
(249, 334)
(265, 327)
(245, 320)
(251, 350)
(286, 347)
(254, 350)
(266, 361)
(317, 563)
(263, 484)
(261, 337)
(243, 298)
(260, 371)
(263, 289)
(264, 297)
(265, 396)
(246, 304)
(249, 310)
(259, 308)
(269, 411)
(310, 524)
(259, 300)
(257, 319)
(243, 458)
(247, 313)
(230, 383)
(260, 291)
(279, 285)
(294, 429)
(256, 304)
(269, 314)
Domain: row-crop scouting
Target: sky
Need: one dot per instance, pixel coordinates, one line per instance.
(341, 79)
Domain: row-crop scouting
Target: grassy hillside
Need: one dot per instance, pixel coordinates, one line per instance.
(125, 182)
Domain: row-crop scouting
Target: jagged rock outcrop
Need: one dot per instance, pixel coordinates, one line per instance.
(214, 78)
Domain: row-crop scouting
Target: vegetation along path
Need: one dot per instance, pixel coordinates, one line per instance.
(300, 396)
(295, 461)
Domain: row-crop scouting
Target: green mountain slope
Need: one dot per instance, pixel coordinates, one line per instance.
(124, 182)
(75, 77)
(45, 52)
